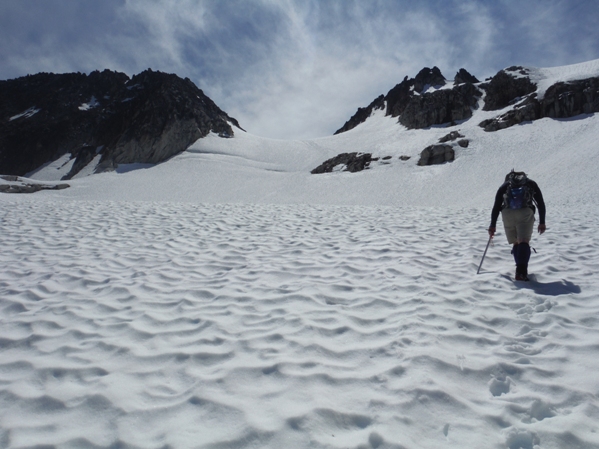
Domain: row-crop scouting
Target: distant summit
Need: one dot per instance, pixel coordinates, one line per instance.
(427, 100)
(105, 117)
(416, 107)
(518, 94)
(514, 87)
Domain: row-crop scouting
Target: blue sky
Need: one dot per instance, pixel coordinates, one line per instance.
(294, 68)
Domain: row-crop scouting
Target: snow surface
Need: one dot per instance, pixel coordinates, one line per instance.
(27, 114)
(546, 77)
(93, 103)
(229, 299)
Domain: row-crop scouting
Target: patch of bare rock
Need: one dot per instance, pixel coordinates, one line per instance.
(16, 184)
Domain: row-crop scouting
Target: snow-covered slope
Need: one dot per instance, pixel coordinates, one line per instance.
(545, 77)
(248, 168)
(559, 154)
(229, 299)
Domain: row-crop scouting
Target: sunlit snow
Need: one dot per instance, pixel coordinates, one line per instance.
(229, 298)
(26, 114)
(92, 103)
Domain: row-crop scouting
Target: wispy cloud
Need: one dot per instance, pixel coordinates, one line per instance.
(293, 68)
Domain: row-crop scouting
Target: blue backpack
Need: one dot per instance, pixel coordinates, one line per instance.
(518, 193)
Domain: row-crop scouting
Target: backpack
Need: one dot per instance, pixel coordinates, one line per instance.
(518, 193)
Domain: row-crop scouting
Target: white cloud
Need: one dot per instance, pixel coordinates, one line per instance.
(316, 72)
(293, 68)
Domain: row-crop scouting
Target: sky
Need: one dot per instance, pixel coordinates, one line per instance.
(294, 69)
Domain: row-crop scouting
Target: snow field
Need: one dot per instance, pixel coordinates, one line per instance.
(227, 298)
(192, 325)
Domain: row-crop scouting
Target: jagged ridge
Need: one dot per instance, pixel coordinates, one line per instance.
(417, 108)
(144, 119)
(561, 100)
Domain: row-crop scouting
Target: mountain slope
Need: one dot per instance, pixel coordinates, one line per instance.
(427, 100)
(252, 169)
(377, 133)
(105, 117)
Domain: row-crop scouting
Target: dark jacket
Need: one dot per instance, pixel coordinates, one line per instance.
(537, 198)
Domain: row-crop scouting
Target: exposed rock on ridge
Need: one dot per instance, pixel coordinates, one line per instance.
(442, 106)
(506, 87)
(561, 100)
(351, 162)
(105, 115)
(464, 77)
(416, 107)
(14, 184)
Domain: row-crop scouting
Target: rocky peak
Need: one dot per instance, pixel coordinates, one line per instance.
(506, 87)
(144, 119)
(419, 107)
(399, 96)
(428, 78)
(463, 76)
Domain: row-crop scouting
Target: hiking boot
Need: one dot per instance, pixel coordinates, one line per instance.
(522, 272)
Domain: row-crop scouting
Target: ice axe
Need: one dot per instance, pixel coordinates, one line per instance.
(484, 254)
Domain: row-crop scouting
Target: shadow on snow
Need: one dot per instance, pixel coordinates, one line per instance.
(556, 288)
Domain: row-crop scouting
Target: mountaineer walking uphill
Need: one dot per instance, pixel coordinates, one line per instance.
(516, 200)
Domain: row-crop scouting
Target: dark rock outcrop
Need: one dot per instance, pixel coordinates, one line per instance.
(399, 98)
(18, 185)
(527, 110)
(507, 87)
(564, 100)
(145, 119)
(463, 76)
(428, 78)
(454, 135)
(561, 100)
(353, 162)
(436, 154)
(418, 107)
(442, 106)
